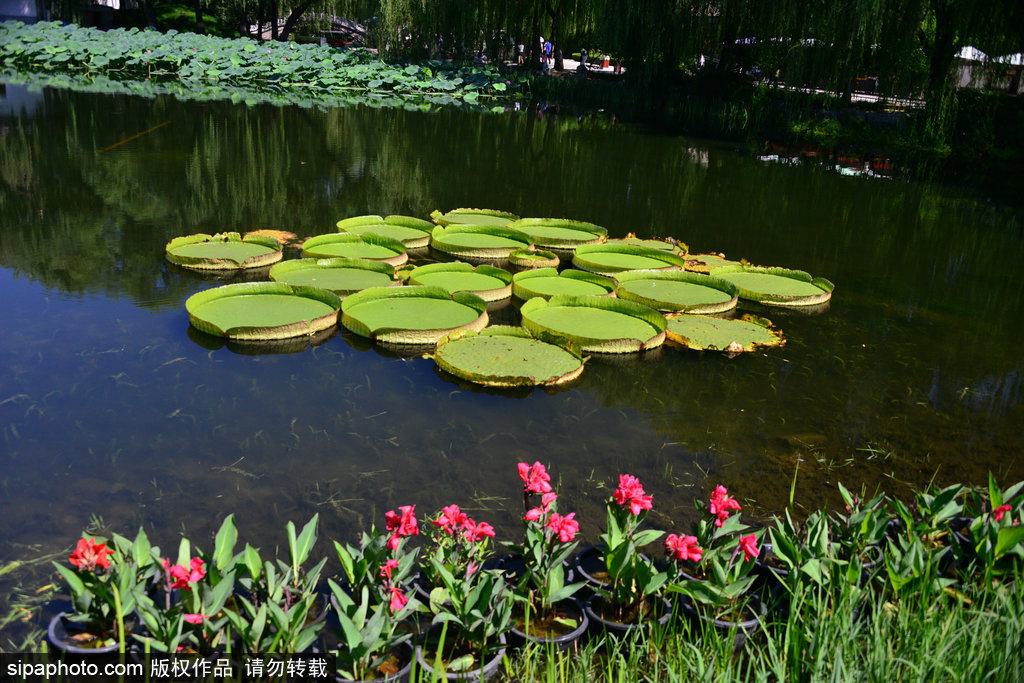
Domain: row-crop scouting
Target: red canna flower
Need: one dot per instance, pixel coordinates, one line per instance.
(683, 548)
(535, 478)
(997, 513)
(566, 527)
(475, 532)
(389, 566)
(721, 503)
(398, 599)
(631, 494)
(451, 518)
(749, 546)
(402, 523)
(182, 577)
(89, 555)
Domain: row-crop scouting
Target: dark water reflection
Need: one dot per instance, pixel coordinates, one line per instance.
(111, 406)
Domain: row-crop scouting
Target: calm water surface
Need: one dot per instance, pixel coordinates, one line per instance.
(112, 408)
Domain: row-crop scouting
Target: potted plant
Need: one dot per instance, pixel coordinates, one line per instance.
(372, 605)
(630, 598)
(713, 567)
(456, 542)
(546, 611)
(472, 613)
(279, 609)
(997, 530)
(919, 553)
(105, 585)
(860, 530)
(187, 613)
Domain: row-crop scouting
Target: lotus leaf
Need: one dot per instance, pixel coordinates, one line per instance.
(677, 291)
(346, 245)
(340, 275)
(257, 311)
(559, 234)
(776, 286)
(478, 242)
(506, 357)
(596, 324)
(548, 282)
(223, 251)
(533, 258)
(611, 258)
(412, 232)
(412, 315)
(473, 217)
(487, 282)
(704, 263)
(706, 333)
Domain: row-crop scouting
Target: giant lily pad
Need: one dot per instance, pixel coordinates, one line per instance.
(706, 333)
(487, 282)
(346, 245)
(533, 258)
(705, 263)
(473, 217)
(596, 324)
(343, 276)
(611, 258)
(223, 251)
(257, 311)
(669, 244)
(506, 357)
(559, 234)
(776, 286)
(412, 315)
(676, 291)
(548, 282)
(414, 233)
(478, 242)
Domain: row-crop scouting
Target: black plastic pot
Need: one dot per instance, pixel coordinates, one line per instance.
(61, 629)
(661, 612)
(563, 643)
(485, 672)
(743, 629)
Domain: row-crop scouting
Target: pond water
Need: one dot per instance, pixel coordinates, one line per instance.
(113, 410)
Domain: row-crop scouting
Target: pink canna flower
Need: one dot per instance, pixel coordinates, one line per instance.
(182, 577)
(402, 523)
(451, 518)
(683, 548)
(566, 527)
(194, 618)
(749, 546)
(535, 478)
(534, 514)
(631, 494)
(1000, 511)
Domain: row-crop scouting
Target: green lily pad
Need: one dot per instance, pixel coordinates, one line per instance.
(548, 282)
(596, 324)
(506, 357)
(412, 315)
(257, 311)
(414, 233)
(677, 291)
(776, 286)
(473, 217)
(704, 263)
(342, 276)
(478, 242)
(611, 258)
(533, 258)
(223, 251)
(347, 245)
(670, 245)
(487, 282)
(706, 333)
(560, 234)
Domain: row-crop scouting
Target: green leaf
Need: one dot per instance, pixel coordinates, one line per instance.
(224, 543)
(1008, 539)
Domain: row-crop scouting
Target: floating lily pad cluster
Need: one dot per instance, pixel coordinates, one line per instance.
(619, 296)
